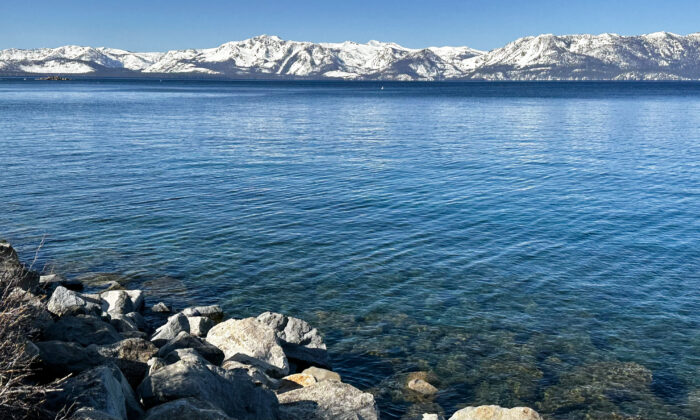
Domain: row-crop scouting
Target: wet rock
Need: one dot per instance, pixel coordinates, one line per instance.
(102, 392)
(186, 409)
(67, 302)
(230, 391)
(82, 329)
(494, 412)
(213, 312)
(252, 342)
(322, 374)
(174, 325)
(328, 400)
(185, 340)
(161, 307)
(52, 281)
(300, 341)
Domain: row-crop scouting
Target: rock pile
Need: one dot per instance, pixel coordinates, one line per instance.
(194, 365)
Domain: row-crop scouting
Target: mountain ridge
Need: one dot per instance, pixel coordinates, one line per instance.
(654, 56)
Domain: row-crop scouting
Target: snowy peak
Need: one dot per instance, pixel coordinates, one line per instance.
(655, 56)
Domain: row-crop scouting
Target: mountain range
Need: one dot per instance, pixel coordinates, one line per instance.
(656, 56)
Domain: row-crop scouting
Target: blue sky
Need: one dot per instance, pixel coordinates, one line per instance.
(154, 25)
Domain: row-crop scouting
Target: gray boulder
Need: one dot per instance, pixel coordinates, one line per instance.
(173, 326)
(252, 342)
(494, 412)
(300, 341)
(133, 321)
(82, 329)
(101, 392)
(122, 301)
(322, 374)
(130, 356)
(59, 358)
(161, 307)
(328, 400)
(185, 340)
(200, 325)
(52, 281)
(186, 409)
(155, 363)
(254, 373)
(213, 312)
(232, 392)
(67, 302)
(188, 355)
(11, 269)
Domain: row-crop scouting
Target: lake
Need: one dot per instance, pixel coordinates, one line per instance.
(528, 244)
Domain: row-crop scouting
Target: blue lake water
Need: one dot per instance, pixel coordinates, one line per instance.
(527, 243)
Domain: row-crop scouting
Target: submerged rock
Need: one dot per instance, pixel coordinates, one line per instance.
(300, 341)
(252, 342)
(230, 391)
(67, 302)
(422, 387)
(186, 409)
(328, 400)
(494, 412)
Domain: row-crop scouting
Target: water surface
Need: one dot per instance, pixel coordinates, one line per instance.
(527, 243)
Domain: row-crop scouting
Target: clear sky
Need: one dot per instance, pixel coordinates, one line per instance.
(156, 25)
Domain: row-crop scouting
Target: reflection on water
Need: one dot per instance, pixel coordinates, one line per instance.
(522, 244)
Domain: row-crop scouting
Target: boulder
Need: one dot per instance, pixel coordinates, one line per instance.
(130, 356)
(122, 301)
(186, 409)
(301, 342)
(322, 374)
(432, 416)
(11, 269)
(252, 342)
(200, 325)
(67, 302)
(295, 381)
(188, 355)
(185, 340)
(102, 392)
(254, 373)
(60, 358)
(161, 307)
(155, 363)
(41, 319)
(82, 329)
(52, 281)
(494, 412)
(230, 391)
(213, 312)
(328, 400)
(173, 326)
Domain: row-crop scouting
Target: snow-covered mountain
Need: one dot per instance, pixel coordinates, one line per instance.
(657, 56)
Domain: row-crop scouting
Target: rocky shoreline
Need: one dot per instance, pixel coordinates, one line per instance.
(117, 358)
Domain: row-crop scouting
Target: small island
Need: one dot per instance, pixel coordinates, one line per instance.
(60, 78)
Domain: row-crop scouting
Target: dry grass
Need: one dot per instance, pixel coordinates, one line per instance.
(20, 396)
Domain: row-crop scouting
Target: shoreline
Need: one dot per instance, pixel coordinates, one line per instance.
(118, 358)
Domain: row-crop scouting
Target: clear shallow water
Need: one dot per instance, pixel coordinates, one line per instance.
(530, 244)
